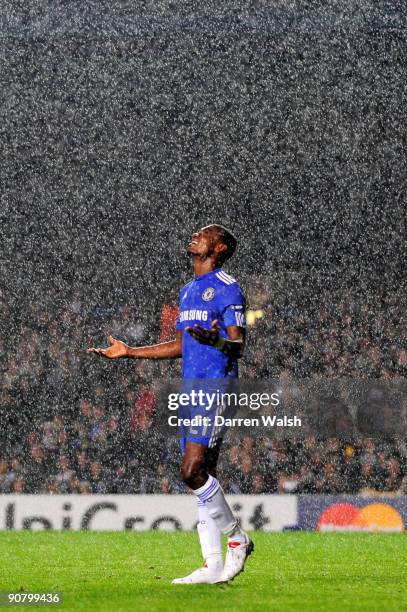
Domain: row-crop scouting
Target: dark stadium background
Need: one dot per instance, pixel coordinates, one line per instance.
(125, 126)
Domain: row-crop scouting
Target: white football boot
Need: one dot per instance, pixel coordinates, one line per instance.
(237, 553)
(203, 575)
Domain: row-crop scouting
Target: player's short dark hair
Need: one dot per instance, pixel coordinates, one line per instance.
(229, 239)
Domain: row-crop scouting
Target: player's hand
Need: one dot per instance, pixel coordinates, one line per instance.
(116, 349)
(205, 336)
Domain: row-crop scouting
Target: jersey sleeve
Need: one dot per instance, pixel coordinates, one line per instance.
(177, 323)
(233, 306)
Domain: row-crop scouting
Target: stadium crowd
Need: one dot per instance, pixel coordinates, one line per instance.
(76, 424)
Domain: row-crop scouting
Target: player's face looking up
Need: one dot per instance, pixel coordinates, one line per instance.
(206, 243)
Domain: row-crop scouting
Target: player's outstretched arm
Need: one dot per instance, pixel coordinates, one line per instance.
(119, 349)
(232, 346)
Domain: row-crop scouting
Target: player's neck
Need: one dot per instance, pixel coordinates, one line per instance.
(204, 267)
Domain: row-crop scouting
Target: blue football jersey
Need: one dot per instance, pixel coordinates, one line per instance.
(215, 295)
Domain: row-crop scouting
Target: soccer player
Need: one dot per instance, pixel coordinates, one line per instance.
(210, 339)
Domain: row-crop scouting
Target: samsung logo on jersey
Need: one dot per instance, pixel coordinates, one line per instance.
(193, 314)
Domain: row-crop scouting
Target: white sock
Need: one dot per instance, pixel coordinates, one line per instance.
(211, 494)
(210, 538)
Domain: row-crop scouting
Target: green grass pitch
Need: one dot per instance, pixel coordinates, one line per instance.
(133, 571)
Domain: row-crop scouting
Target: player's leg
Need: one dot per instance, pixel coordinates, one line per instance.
(210, 537)
(208, 490)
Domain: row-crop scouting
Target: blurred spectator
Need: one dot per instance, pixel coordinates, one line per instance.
(97, 478)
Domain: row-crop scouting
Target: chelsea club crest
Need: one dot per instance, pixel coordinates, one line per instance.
(208, 294)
